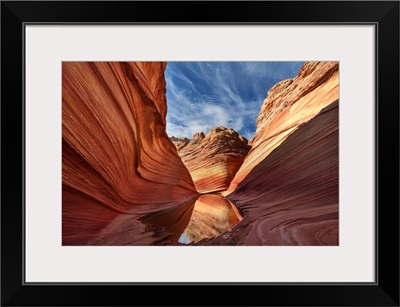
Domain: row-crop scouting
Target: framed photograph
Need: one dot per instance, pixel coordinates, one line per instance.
(242, 151)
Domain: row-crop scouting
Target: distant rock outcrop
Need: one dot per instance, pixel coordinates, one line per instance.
(117, 161)
(214, 159)
(179, 142)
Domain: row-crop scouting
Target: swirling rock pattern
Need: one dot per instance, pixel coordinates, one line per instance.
(287, 187)
(212, 215)
(124, 182)
(289, 104)
(117, 160)
(214, 159)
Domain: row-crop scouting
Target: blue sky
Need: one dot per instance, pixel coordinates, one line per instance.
(203, 95)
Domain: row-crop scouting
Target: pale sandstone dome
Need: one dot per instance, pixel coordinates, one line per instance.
(214, 159)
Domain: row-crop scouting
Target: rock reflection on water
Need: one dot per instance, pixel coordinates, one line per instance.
(207, 216)
(212, 215)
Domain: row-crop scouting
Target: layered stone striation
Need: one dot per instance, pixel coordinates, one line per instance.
(287, 187)
(214, 159)
(124, 182)
(117, 160)
(289, 104)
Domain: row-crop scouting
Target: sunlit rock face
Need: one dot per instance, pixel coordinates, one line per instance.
(287, 187)
(289, 104)
(214, 159)
(117, 160)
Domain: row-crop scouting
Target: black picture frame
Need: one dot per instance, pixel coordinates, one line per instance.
(383, 14)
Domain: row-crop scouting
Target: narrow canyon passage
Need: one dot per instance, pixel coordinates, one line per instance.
(125, 181)
(212, 160)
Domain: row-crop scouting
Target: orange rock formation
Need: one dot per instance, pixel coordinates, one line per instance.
(117, 160)
(287, 187)
(289, 104)
(214, 159)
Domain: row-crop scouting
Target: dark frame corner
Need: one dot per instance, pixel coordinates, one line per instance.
(384, 14)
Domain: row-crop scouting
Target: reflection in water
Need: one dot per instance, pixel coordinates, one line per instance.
(172, 221)
(184, 239)
(212, 215)
(207, 216)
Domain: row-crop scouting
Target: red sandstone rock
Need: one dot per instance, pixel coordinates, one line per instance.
(289, 104)
(124, 184)
(291, 197)
(117, 160)
(214, 159)
(287, 187)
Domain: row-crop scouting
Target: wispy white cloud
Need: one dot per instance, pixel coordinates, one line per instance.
(203, 95)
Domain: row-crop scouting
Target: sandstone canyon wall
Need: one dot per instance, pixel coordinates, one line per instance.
(125, 183)
(214, 159)
(117, 160)
(287, 187)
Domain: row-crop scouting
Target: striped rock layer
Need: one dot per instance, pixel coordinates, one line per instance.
(287, 186)
(117, 160)
(214, 159)
(125, 184)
